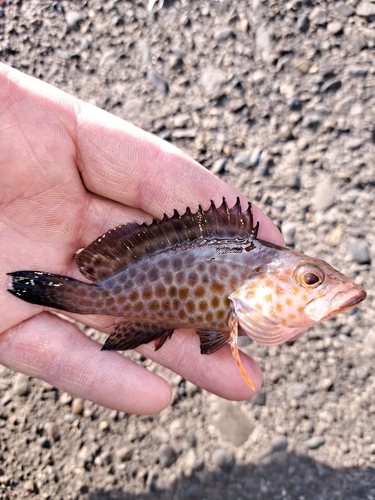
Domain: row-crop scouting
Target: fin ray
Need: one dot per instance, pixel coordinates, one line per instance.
(122, 245)
(131, 334)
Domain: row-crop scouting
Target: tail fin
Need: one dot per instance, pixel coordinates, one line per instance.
(51, 290)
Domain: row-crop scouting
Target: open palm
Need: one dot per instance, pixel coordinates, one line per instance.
(69, 172)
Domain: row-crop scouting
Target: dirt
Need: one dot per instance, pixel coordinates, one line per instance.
(278, 99)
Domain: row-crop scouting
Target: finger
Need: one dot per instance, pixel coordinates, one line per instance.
(54, 350)
(117, 160)
(217, 372)
(137, 169)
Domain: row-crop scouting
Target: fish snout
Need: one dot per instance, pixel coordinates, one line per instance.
(343, 301)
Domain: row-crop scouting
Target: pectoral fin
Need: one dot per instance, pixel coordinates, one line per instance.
(233, 328)
(129, 335)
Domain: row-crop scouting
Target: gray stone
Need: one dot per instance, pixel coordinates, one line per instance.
(223, 458)
(21, 385)
(318, 16)
(212, 81)
(255, 156)
(323, 197)
(312, 121)
(74, 19)
(242, 159)
(356, 70)
(315, 442)
(124, 453)
(181, 121)
(334, 27)
(289, 231)
(263, 41)
(297, 391)
(331, 85)
(360, 252)
(223, 33)
(303, 23)
(366, 9)
(260, 398)
(158, 81)
(354, 143)
(219, 166)
(167, 456)
(344, 9)
(279, 443)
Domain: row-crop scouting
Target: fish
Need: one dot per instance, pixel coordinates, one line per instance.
(206, 270)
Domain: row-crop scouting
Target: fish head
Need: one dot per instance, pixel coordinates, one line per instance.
(282, 301)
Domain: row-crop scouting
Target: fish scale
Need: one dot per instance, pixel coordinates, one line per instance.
(207, 271)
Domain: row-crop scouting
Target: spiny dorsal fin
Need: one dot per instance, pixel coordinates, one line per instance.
(122, 245)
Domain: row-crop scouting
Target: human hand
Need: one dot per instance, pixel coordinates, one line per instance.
(70, 172)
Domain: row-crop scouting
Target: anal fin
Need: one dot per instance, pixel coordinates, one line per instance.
(129, 335)
(212, 340)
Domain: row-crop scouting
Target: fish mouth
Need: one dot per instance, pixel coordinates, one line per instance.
(353, 297)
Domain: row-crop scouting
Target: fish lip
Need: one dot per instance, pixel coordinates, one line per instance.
(348, 304)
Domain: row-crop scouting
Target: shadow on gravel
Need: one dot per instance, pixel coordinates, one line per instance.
(286, 476)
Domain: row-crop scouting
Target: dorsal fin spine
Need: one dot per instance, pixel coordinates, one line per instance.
(126, 243)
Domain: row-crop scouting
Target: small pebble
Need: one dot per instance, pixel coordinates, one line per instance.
(366, 9)
(167, 456)
(260, 398)
(288, 231)
(223, 459)
(74, 19)
(315, 442)
(104, 425)
(52, 430)
(158, 81)
(360, 252)
(279, 443)
(21, 385)
(242, 159)
(124, 454)
(219, 166)
(297, 391)
(77, 406)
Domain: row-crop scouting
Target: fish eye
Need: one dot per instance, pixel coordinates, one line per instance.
(309, 276)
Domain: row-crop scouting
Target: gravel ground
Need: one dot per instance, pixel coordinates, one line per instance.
(278, 99)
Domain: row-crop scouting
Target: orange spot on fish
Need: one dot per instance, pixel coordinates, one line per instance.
(183, 293)
(295, 290)
(217, 288)
(291, 316)
(147, 294)
(288, 301)
(268, 297)
(278, 307)
(258, 306)
(279, 290)
(199, 292)
(190, 306)
(283, 279)
(300, 309)
(203, 306)
(220, 314)
(209, 316)
(304, 297)
(215, 302)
